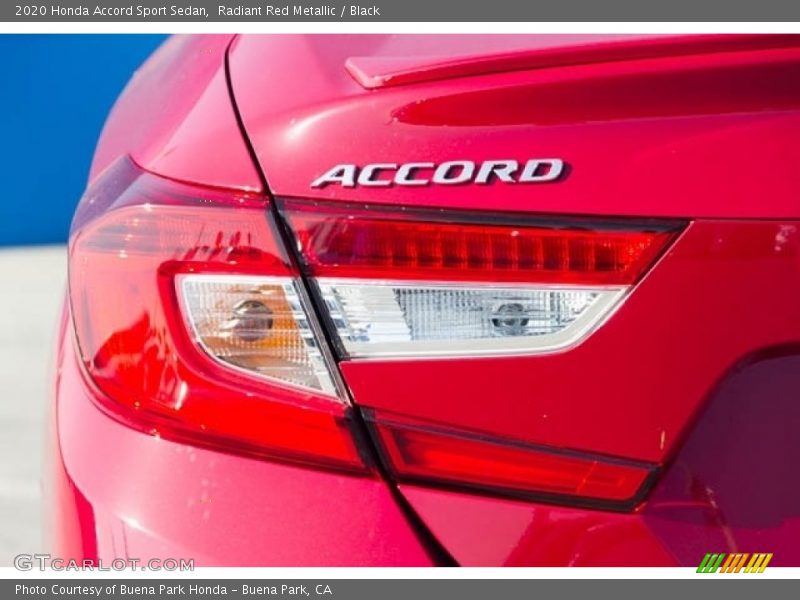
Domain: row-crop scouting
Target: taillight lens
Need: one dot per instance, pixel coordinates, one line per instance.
(191, 322)
(258, 324)
(353, 241)
(413, 283)
(420, 452)
(406, 319)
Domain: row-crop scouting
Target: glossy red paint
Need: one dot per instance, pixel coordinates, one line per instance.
(175, 118)
(466, 56)
(148, 497)
(694, 135)
(731, 487)
(69, 526)
(482, 531)
(695, 371)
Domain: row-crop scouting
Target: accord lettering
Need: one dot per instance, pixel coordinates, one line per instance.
(453, 172)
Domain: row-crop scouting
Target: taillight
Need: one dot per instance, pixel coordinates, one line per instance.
(259, 324)
(406, 283)
(420, 452)
(409, 283)
(191, 322)
(353, 241)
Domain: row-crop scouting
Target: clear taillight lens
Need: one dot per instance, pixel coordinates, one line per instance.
(423, 319)
(258, 324)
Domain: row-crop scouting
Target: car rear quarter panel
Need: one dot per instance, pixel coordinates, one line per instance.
(175, 118)
(124, 494)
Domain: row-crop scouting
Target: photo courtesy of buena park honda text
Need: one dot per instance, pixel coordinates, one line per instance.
(435, 299)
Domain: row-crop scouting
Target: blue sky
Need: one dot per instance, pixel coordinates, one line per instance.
(55, 93)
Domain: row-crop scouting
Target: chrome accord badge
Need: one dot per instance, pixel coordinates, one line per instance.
(453, 172)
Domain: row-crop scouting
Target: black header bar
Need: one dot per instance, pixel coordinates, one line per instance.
(199, 11)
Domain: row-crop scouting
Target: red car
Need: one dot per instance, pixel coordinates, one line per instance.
(437, 300)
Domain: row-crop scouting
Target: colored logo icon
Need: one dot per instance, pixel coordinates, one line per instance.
(735, 563)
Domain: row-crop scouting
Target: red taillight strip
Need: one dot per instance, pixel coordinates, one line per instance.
(377, 243)
(430, 454)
